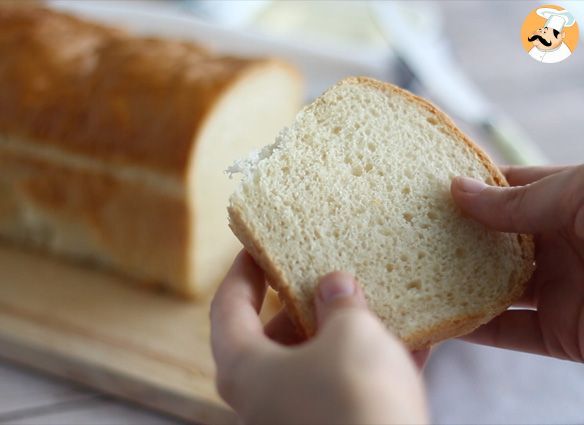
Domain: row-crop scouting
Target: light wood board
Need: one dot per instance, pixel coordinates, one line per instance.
(91, 327)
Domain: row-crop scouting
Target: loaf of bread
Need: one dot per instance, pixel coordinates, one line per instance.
(361, 182)
(113, 147)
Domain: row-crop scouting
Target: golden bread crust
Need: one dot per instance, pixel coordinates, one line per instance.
(96, 218)
(97, 91)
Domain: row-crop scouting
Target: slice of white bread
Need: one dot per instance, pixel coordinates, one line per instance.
(360, 182)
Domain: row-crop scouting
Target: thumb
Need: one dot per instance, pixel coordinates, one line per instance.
(546, 205)
(337, 291)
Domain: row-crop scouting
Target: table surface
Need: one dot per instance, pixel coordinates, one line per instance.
(465, 383)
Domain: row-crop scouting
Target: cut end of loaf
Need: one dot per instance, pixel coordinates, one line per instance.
(360, 182)
(240, 121)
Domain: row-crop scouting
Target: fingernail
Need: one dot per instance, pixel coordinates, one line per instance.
(469, 185)
(336, 285)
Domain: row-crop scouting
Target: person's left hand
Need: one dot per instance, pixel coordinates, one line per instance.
(353, 371)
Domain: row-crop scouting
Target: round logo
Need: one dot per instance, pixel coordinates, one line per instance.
(549, 34)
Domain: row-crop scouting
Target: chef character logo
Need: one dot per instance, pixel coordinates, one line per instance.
(549, 34)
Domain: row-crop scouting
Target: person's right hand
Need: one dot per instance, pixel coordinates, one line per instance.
(547, 202)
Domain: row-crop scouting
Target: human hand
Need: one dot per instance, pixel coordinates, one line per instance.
(547, 202)
(352, 372)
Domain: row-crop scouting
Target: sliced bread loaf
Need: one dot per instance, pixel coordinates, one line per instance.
(360, 182)
(113, 146)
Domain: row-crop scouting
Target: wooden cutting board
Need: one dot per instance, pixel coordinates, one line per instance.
(90, 327)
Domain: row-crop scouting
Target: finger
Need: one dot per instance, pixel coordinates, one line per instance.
(528, 299)
(420, 357)
(337, 291)
(235, 324)
(545, 205)
(520, 176)
(517, 330)
(281, 330)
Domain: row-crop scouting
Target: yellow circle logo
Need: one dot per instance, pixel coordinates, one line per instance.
(549, 34)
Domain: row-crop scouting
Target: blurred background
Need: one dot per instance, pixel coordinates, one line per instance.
(466, 56)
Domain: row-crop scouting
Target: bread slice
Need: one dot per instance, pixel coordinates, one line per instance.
(360, 182)
(113, 146)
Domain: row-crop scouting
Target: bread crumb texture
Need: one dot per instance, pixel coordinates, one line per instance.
(361, 182)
